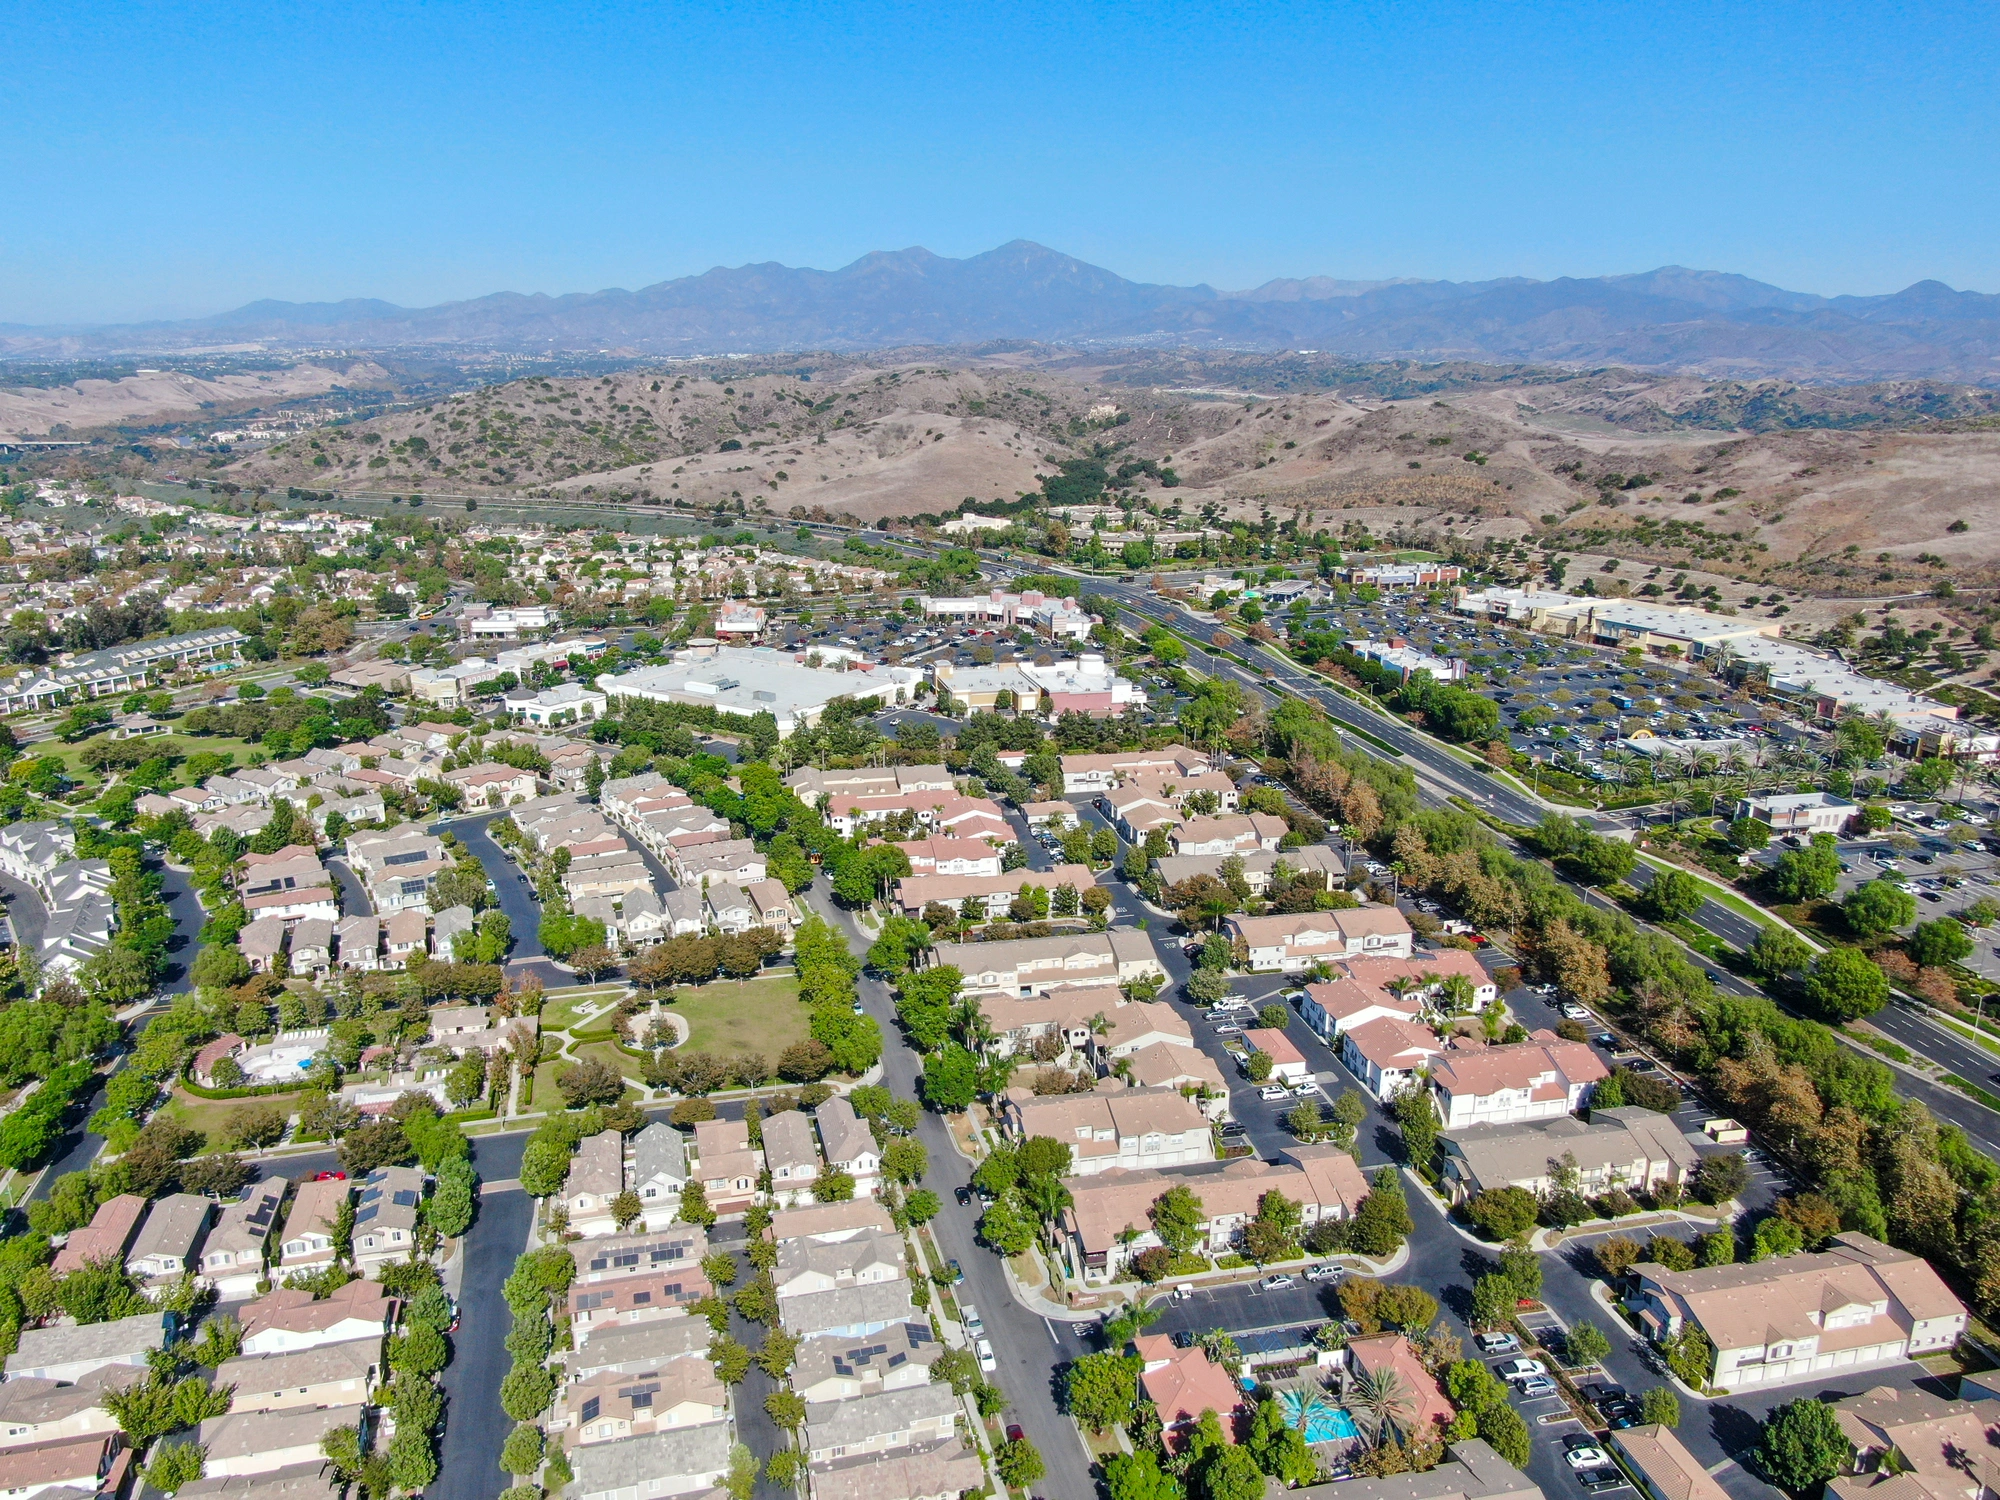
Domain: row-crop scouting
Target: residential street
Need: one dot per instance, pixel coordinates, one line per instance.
(1031, 1350)
(475, 1426)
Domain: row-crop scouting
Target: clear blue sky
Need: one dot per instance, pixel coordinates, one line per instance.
(168, 160)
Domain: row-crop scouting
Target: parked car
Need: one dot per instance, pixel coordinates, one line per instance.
(987, 1362)
(963, 1194)
(955, 1272)
(1273, 1091)
(1573, 1012)
(1228, 1028)
(1494, 1344)
(1521, 1369)
(969, 1316)
(1014, 1433)
(1304, 1089)
(1322, 1273)
(1590, 1457)
(1536, 1385)
(1278, 1283)
(1595, 1481)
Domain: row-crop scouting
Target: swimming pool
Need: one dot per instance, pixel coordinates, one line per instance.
(1318, 1418)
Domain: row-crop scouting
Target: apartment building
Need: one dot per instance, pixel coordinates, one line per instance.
(1292, 943)
(1628, 1147)
(1856, 1305)
(1115, 1128)
(1538, 1079)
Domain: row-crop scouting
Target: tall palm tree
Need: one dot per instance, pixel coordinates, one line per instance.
(1386, 1407)
(1047, 1198)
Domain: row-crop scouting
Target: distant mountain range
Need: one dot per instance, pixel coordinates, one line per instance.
(1706, 322)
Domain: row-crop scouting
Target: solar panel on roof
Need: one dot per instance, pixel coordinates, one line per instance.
(404, 1198)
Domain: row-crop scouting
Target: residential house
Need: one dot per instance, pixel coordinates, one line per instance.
(947, 856)
(290, 1317)
(1666, 1470)
(654, 1465)
(77, 1465)
(1391, 1354)
(791, 1154)
(1034, 966)
(806, 1266)
(342, 1374)
(1388, 1053)
(311, 1225)
(1336, 1006)
(166, 1244)
(67, 1352)
(638, 1298)
(846, 1311)
(1532, 1080)
(261, 942)
(1097, 773)
(941, 1471)
(1916, 1443)
(849, 1145)
(1233, 833)
(994, 894)
(1122, 1128)
(105, 1237)
(1291, 943)
(309, 1480)
(405, 938)
(678, 1394)
(726, 1165)
(672, 1247)
(35, 1411)
(385, 1216)
(1288, 1064)
(1260, 866)
(840, 1369)
(910, 1417)
(830, 1221)
(1182, 1384)
(398, 865)
(635, 1347)
(1628, 1147)
(291, 884)
(1108, 1220)
(312, 948)
(1472, 1471)
(596, 1178)
(1192, 1071)
(261, 1442)
(359, 943)
(659, 1168)
(1856, 1305)
(233, 1257)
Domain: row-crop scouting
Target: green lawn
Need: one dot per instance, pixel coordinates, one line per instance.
(744, 1015)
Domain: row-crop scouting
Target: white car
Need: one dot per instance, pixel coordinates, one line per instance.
(1585, 1458)
(1521, 1369)
(987, 1362)
(969, 1316)
(1229, 1028)
(1278, 1283)
(1574, 1012)
(1272, 1092)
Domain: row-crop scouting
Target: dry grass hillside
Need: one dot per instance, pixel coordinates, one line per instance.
(1880, 498)
(160, 395)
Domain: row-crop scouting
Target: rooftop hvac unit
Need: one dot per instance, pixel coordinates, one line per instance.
(764, 697)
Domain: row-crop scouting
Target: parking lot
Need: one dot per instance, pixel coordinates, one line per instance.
(1565, 699)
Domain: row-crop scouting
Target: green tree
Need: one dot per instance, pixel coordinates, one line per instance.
(1749, 834)
(1807, 874)
(1672, 896)
(1585, 1344)
(1177, 1217)
(1776, 1237)
(1019, 1463)
(1227, 1472)
(526, 1391)
(1879, 906)
(1501, 1427)
(1802, 1445)
(1099, 1389)
(1776, 951)
(1660, 1407)
(175, 1465)
(1417, 1116)
(1278, 1447)
(522, 1452)
(1138, 1476)
(1383, 1221)
(1941, 942)
(1505, 1213)
(1845, 984)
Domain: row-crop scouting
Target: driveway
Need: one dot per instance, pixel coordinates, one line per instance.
(514, 896)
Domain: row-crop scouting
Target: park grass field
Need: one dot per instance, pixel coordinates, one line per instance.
(761, 1015)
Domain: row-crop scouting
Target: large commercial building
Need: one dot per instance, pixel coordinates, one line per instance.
(745, 683)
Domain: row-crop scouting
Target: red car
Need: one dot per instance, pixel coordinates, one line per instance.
(1014, 1433)
(329, 1177)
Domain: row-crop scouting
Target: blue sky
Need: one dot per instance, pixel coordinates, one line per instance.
(170, 160)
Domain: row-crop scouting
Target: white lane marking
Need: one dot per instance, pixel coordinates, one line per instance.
(1052, 1333)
